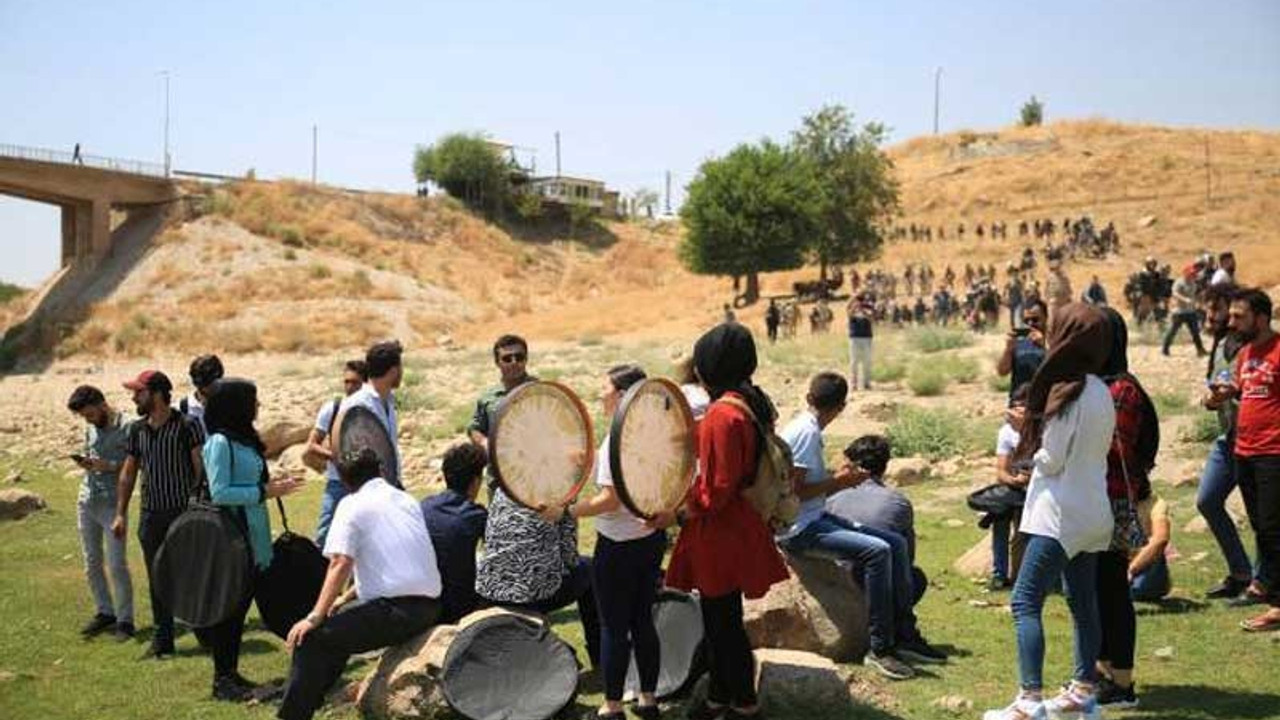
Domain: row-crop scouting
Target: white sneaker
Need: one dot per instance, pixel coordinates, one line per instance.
(1073, 705)
(1019, 710)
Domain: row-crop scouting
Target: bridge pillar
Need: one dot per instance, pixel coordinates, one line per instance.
(86, 231)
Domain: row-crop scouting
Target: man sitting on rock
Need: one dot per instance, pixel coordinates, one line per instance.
(881, 555)
(876, 505)
(378, 536)
(456, 523)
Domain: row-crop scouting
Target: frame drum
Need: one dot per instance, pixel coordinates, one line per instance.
(652, 451)
(541, 448)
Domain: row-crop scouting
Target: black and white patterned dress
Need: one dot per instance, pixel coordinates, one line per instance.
(525, 559)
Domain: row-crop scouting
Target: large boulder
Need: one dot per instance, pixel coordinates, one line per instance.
(903, 472)
(405, 682)
(821, 608)
(802, 684)
(282, 434)
(17, 504)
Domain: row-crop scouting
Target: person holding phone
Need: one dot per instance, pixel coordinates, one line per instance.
(105, 447)
(1024, 349)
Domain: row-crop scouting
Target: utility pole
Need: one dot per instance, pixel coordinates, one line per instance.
(314, 134)
(668, 192)
(937, 85)
(165, 73)
(557, 153)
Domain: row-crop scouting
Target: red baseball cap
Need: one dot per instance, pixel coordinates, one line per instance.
(151, 380)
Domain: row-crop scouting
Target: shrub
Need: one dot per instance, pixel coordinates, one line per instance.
(934, 339)
(1203, 429)
(963, 370)
(319, 272)
(927, 380)
(888, 372)
(289, 254)
(937, 434)
(1000, 383)
(1170, 403)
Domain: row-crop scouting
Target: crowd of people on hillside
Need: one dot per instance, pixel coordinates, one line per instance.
(1074, 461)
(1079, 237)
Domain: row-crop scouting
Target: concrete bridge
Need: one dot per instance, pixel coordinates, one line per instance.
(87, 188)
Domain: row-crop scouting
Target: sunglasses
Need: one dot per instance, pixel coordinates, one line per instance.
(512, 358)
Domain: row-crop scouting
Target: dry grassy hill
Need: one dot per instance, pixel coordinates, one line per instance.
(287, 267)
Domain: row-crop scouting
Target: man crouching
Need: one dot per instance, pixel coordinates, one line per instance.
(378, 535)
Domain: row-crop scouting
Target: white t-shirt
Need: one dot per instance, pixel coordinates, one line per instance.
(1067, 497)
(804, 436)
(619, 525)
(1007, 440)
(698, 399)
(382, 530)
(324, 423)
(1220, 277)
(195, 411)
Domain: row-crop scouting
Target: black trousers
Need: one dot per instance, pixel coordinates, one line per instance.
(153, 525)
(1115, 610)
(729, 655)
(319, 661)
(625, 578)
(224, 638)
(1259, 480)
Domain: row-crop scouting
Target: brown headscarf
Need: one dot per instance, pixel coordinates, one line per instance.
(1079, 344)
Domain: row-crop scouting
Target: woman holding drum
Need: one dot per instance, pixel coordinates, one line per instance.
(725, 550)
(625, 570)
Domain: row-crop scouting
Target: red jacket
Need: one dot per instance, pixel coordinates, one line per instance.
(724, 546)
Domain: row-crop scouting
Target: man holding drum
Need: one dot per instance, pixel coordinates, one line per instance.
(384, 365)
(511, 355)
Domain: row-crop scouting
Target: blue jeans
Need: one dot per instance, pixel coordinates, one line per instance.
(1000, 549)
(1043, 564)
(1152, 584)
(886, 572)
(334, 491)
(94, 516)
(1216, 483)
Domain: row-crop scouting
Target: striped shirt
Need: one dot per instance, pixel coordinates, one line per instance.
(164, 458)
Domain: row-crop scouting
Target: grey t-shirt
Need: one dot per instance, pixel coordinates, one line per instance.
(874, 504)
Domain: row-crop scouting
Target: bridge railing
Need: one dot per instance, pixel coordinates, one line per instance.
(136, 167)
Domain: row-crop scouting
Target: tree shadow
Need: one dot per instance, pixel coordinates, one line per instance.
(1201, 702)
(551, 228)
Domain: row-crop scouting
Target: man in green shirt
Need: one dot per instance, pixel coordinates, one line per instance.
(511, 355)
(105, 446)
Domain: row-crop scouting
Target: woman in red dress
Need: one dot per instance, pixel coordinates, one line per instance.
(725, 550)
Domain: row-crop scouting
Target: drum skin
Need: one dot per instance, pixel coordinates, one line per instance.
(541, 448)
(652, 452)
(360, 428)
(678, 619)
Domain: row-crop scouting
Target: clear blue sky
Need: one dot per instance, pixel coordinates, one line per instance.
(634, 90)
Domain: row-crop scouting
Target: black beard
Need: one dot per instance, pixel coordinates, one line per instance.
(1246, 336)
(142, 411)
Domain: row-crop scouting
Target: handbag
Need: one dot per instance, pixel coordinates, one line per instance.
(287, 590)
(1126, 533)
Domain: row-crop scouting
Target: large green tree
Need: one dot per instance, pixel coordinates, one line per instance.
(752, 211)
(468, 167)
(1032, 112)
(859, 191)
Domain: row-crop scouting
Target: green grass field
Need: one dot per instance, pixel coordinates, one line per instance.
(1216, 672)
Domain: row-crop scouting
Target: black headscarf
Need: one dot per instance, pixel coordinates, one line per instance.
(229, 410)
(1117, 368)
(725, 359)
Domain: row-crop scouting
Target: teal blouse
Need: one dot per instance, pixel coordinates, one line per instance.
(240, 488)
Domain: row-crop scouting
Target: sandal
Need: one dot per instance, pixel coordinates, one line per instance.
(1262, 623)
